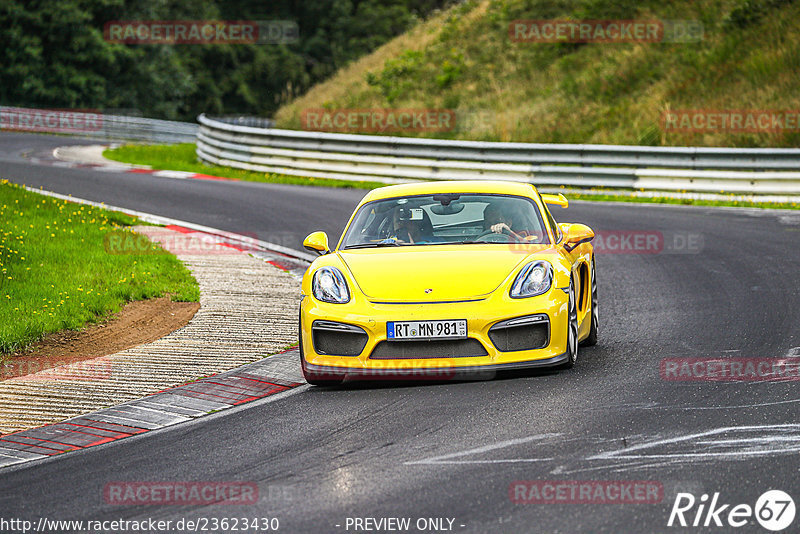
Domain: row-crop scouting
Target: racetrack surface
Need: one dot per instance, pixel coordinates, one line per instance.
(452, 450)
(279, 214)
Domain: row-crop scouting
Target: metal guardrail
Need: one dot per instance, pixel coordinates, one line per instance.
(97, 125)
(399, 159)
(142, 129)
(243, 120)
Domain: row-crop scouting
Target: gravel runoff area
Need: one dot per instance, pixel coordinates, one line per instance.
(248, 310)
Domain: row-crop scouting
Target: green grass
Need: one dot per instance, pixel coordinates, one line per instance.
(612, 93)
(613, 196)
(182, 157)
(55, 273)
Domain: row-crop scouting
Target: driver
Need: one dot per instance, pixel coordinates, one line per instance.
(498, 222)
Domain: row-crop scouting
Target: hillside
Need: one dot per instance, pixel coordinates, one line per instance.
(464, 60)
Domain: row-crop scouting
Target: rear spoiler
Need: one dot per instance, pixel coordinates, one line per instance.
(556, 200)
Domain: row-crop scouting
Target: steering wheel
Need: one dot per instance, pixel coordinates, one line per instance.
(489, 232)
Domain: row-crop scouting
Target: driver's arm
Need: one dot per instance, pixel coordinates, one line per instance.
(499, 227)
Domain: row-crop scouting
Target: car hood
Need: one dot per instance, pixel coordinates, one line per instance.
(431, 273)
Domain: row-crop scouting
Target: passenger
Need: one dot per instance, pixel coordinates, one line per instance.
(406, 230)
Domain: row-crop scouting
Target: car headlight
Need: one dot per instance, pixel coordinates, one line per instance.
(328, 285)
(534, 279)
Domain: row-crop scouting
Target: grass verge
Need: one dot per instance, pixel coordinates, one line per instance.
(182, 157)
(55, 272)
(613, 196)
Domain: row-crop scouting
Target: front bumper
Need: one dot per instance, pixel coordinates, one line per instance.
(482, 315)
(407, 371)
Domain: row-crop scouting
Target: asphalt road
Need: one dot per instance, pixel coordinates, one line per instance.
(452, 450)
(281, 214)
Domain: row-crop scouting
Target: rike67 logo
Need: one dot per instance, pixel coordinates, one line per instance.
(774, 510)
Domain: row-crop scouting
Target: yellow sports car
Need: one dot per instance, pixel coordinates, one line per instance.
(444, 279)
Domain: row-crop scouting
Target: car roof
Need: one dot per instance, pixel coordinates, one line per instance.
(451, 186)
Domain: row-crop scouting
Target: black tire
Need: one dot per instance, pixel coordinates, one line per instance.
(572, 330)
(311, 377)
(591, 339)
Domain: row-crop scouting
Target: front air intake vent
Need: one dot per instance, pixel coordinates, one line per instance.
(523, 333)
(439, 348)
(338, 339)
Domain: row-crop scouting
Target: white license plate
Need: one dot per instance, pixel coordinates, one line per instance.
(402, 330)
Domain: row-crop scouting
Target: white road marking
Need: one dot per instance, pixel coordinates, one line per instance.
(181, 175)
(448, 458)
(733, 442)
(734, 407)
(762, 444)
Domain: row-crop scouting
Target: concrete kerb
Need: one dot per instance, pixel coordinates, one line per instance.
(248, 310)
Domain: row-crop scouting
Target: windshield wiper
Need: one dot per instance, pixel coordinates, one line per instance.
(371, 245)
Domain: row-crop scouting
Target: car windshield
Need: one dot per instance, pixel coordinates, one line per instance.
(446, 218)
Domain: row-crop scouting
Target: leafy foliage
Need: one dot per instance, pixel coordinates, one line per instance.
(54, 53)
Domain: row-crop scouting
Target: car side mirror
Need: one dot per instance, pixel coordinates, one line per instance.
(575, 234)
(317, 242)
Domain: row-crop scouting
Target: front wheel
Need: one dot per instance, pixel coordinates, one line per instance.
(572, 330)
